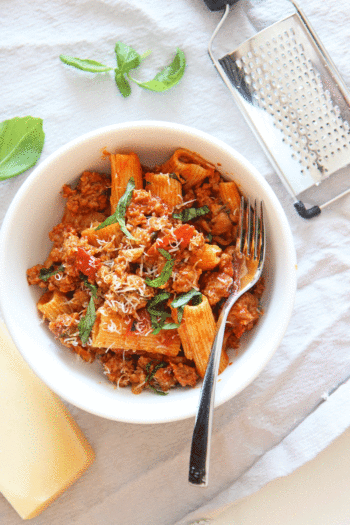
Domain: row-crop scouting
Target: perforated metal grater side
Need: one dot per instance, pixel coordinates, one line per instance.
(293, 98)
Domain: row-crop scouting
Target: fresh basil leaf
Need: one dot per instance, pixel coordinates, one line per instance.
(91, 66)
(168, 77)
(210, 237)
(166, 272)
(127, 57)
(183, 299)
(46, 273)
(119, 214)
(122, 84)
(21, 144)
(191, 213)
(87, 322)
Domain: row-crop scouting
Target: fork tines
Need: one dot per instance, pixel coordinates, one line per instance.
(251, 230)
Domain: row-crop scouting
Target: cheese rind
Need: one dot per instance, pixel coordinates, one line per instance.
(42, 449)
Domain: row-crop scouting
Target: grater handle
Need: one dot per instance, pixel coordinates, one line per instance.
(217, 5)
(304, 213)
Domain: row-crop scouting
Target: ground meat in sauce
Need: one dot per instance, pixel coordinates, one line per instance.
(90, 194)
(130, 369)
(244, 314)
(118, 272)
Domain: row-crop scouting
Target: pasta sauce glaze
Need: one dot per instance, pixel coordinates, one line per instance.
(141, 264)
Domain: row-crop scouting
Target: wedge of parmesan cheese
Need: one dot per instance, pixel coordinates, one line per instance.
(42, 450)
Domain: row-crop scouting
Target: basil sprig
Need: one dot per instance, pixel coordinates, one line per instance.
(156, 309)
(87, 322)
(127, 59)
(119, 214)
(46, 273)
(166, 272)
(191, 213)
(183, 299)
(21, 144)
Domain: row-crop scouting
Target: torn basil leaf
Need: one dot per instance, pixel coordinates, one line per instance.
(152, 374)
(191, 213)
(174, 176)
(91, 287)
(46, 273)
(119, 214)
(21, 144)
(87, 322)
(180, 302)
(158, 314)
(157, 300)
(166, 272)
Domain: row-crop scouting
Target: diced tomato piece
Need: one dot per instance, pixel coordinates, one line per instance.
(183, 233)
(87, 264)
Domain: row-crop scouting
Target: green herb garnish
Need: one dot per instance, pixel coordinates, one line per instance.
(21, 143)
(191, 213)
(91, 66)
(46, 273)
(152, 374)
(87, 322)
(119, 214)
(183, 299)
(158, 313)
(128, 59)
(168, 77)
(174, 176)
(166, 272)
(91, 287)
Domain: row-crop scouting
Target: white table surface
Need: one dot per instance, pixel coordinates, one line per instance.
(315, 494)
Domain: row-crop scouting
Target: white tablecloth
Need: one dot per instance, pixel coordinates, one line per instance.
(140, 474)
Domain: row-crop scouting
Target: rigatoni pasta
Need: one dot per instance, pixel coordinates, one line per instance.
(140, 267)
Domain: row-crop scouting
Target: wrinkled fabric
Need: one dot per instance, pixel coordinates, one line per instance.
(140, 474)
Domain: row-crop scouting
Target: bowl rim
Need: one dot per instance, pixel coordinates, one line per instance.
(127, 126)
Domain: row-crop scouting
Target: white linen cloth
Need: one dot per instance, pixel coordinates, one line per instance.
(140, 474)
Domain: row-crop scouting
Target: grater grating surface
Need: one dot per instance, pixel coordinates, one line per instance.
(289, 94)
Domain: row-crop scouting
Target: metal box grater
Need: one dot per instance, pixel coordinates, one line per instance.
(293, 98)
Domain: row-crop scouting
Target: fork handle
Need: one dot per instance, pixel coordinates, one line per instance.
(201, 439)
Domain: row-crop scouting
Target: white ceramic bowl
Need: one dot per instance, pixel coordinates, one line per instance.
(38, 206)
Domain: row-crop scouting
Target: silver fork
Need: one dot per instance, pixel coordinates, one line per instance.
(251, 244)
